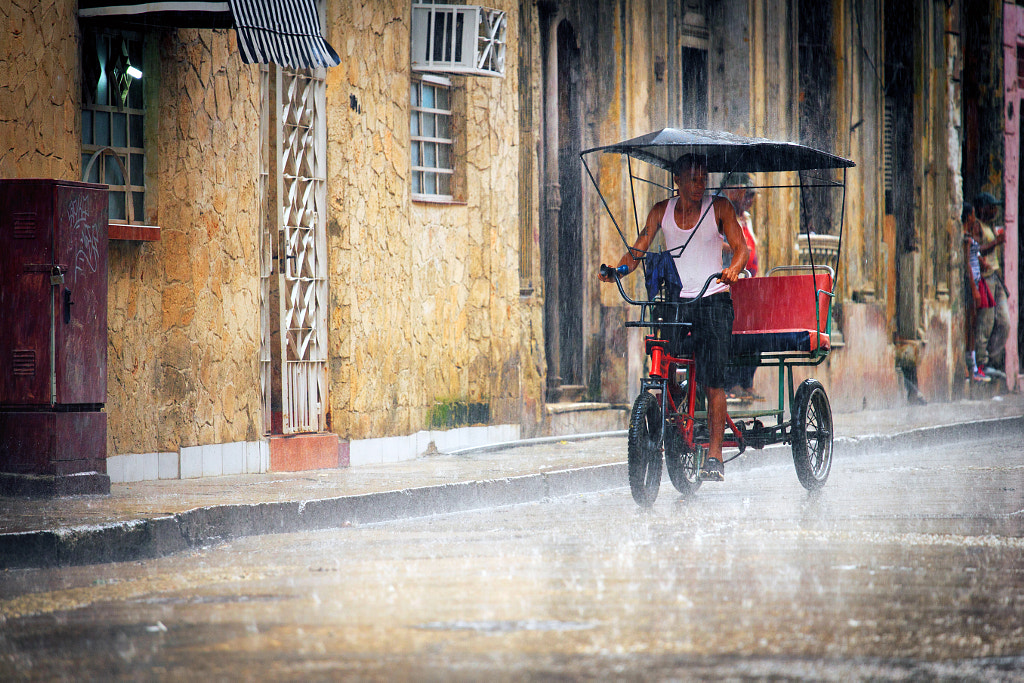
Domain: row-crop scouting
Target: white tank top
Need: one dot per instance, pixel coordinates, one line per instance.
(702, 256)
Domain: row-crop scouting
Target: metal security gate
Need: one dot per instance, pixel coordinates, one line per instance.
(266, 253)
(302, 147)
(296, 380)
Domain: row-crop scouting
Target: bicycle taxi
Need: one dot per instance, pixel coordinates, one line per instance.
(782, 320)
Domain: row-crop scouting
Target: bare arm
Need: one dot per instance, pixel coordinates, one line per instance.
(643, 242)
(978, 232)
(987, 247)
(730, 227)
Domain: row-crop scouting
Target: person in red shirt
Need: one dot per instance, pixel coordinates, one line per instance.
(742, 195)
(740, 380)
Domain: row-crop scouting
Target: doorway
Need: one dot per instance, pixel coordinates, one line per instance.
(817, 81)
(570, 218)
(693, 79)
(293, 251)
(900, 173)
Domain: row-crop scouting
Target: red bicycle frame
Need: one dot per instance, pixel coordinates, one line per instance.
(664, 367)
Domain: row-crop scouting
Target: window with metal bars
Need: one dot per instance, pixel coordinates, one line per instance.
(430, 124)
(466, 39)
(113, 111)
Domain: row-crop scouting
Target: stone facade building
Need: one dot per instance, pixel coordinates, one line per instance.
(366, 262)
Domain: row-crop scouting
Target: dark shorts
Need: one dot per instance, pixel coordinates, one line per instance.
(711, 332)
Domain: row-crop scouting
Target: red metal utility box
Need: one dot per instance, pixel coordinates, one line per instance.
(53, 330)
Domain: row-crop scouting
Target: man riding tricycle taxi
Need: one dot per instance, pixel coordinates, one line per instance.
(694, 224)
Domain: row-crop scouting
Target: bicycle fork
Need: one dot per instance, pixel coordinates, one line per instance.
(660, 379)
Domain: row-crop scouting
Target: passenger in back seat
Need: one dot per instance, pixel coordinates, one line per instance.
(739, 381)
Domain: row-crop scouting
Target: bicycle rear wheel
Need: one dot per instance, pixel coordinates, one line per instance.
(682, 463)
(812, 434)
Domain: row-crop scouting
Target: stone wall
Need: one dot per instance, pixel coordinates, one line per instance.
(39, 90)
(184, 312)
(424, 297)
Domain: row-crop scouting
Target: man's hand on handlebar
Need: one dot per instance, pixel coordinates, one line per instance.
(730, 274)
(607, 273)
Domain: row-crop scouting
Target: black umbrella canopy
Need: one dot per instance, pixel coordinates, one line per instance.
(725, 152)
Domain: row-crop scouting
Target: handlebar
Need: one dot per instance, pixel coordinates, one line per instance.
(617, 273)
(608, 271)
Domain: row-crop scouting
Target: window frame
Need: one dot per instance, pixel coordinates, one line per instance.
(418, 142)
(133, 191)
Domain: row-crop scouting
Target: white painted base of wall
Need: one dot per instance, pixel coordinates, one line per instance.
(191, 462)
(253, 457)
(398, 448)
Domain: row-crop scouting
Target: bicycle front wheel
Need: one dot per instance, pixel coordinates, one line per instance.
(645, 428)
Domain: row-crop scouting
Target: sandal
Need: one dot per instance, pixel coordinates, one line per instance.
(712, 469)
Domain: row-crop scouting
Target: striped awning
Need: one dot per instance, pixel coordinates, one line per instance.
(284, 32)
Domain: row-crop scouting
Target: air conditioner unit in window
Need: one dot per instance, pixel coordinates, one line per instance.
(465, 39)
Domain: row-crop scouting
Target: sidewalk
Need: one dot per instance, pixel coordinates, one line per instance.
(148, 519)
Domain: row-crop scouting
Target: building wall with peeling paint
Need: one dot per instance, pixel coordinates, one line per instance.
(754, 90)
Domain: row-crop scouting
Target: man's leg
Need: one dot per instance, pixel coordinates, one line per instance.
(982, 331)
(715, 317)
(717, 410)
(1000, 324)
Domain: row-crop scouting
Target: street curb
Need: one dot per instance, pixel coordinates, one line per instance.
(932, 436)
(160, 536)
(156, 537)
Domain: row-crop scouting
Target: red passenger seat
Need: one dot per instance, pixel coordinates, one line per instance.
(782, 313)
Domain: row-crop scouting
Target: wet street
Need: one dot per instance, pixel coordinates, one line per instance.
(904, 565)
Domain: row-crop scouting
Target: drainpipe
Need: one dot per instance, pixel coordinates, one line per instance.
(552, 209)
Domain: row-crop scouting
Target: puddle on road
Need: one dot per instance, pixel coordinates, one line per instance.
(500, 627)
(214, 599)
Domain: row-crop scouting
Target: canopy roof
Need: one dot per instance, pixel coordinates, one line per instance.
(725, 152)
(284, 32)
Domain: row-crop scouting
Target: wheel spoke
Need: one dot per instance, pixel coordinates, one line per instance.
(680, 461)
(812, 434)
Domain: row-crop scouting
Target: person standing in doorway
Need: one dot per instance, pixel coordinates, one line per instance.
(978, 296)
(993, 324)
